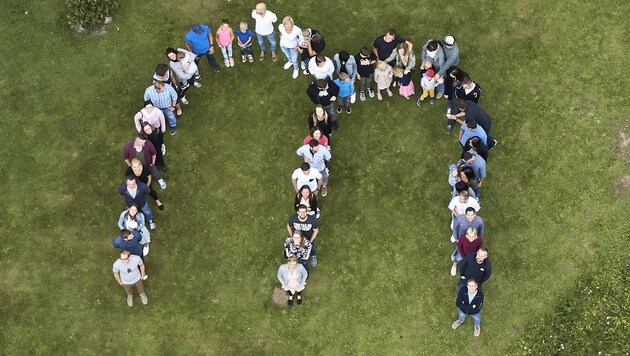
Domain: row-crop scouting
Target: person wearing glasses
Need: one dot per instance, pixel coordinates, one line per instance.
(128, 272)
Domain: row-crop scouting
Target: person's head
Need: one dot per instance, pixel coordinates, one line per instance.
(316, 38)
(305, 191)
(261, 8)
(471, 124)
(461, 104)
(136, 166)
(302, 211)
(470, 214)
(292, 261)
(147, 128)
(126, 234)
(140, 140)
(158, 85)
(449, 41)
(467, 156)
(463, 196)
(288, 23)
(471, 234)
(161, 69)
(430, 73)
(475, 143)
(197, 29)
(390, 35)
(321, 83)
(472, 285)
(467, 174)
(402, 49)
(459, 75)
(427, 63)
(432, 46)
(124, 255)
(306, 33)
(398, 72)
(243, 26)
(365, 52)
(313, 144)
(131, 182)
(461, 186)
(180, 56)
(381, 65)
(344, 56)
(316, 132)
(133, 210)
(467, 83)
(482, 254)
(344, 76)
(319, 110)
(225, 23)
(305, 167)
(454, 72)
(298, 238)
(171, 53)
(148, 106)
(320, 59)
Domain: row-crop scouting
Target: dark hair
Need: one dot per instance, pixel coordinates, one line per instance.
(161, 69)
(302, 206)
(315, 128)
(464, 193)
(170, 50)
(344, 56)
(461, 186)
(365, 51)
(483, 249)
(305, 166)
(466, 156)
(313, 143)
(470, 208)
(124, 233)
(316, 37)
(392, 32)
(461, 103)
(305, 186)
(475, 142)
(141, 136)
(472, 279)
(321, 83)
(471, 124)
(131, 177)
(432, 45)
(468, 171)
(466, 79)
(320, 58)
(225, 21)
(147, 102)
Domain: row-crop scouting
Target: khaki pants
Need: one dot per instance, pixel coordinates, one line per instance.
(138, 284)
(426, 92)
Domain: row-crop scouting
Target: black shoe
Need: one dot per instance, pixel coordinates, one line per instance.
(339, 109)
(494, 144)
(299, 301)
(448, 129)
(161, 207)
(290, 301)
(349, 111)
(216, 68)
(197, 77)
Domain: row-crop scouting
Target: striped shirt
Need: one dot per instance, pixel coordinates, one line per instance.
(163, 100)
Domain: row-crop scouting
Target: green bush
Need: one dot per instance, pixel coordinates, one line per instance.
(89, 13)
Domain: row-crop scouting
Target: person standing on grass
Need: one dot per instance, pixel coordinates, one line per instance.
(292, 276)
(316, 133)
(130, 241)
(135, 192)
(307, 198)
(225, 38)
(306, 176)
(157, 140)
(346, 89)
(298, 246)
(472, 111)
(478, 165)
(309, 226)
(467, 243)
(475, 265)
(468, 220)
(143, 175)
(460, 203)
(245, 38)
(315, 155)
(428, 83)
(383, 76)
(403, 57)
(128, 272)
(405, 84)
(451, 60)
(385, 45)
(163, 73)
(432, 56)
(324, 92)
(470, 130)
(365, 70)
(290, 37)
(321, 67)
(199, 41)
(182, 63)
(264, 29)
(145, 152)
(319, 118)
(345, 63)
(133, 220)
(469, 302)
(163, 97)
(312, 45)
(149, 115)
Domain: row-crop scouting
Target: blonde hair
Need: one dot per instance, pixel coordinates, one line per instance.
(243, 23)
(472, 232)
(315, 114)
(398, 71)
(343, 76)
(288, 20)
(381, 65)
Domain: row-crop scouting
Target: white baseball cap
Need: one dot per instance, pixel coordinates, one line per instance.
(449, 40)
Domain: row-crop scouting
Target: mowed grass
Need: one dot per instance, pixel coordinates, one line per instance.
(551, 76)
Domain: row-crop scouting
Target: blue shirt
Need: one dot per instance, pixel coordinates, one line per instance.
(199, 42)
(163, 100)
(316, 159)
(468, 133)
(244, 36)
(345, 88)
(478, 166)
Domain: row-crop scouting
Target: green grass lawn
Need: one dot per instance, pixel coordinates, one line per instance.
(552, 78)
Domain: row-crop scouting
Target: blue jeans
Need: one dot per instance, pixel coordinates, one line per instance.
(209, 57)
(146, 210)
(456, 256)
(292, 56)
(170, 116)
(270, 37)
(476, 317)
(440, 88)
(304, 264)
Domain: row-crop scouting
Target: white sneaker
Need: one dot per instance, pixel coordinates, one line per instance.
(144, 298)
(231, 62)
(152, 225)
(454, 270)
(162, 184)
(197, 85)
(243, 59)
(451, 221)
(324, 191)
(145, 277)
(163, 150)
(226, 62)
(130, 300)
(288, 65)
(303, 66)
(184, 100)
(453, 240)
(145, 250)
(296, 72)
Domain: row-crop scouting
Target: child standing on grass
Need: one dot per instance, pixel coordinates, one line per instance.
(406, 84)
(428, 84)
(245, 37)
(383, 78)
(365, 69)
(346, 88)
(225, 37)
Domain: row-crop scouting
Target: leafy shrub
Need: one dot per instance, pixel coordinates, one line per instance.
(89, 13)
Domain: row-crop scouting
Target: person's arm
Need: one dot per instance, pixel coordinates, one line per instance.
(117, 278)
(231, 35)
(211, 40)
(461, 134)
(128, 162)
(281, 277)
(409, 45)
(137, 120)
(149, 180)
(160, 115)
(480, 230)
(121, 220)
(315, 232)
(188, 47)
(353, 69)
(141, 221)
(296, 200)
(487, 272)
(294, 182)
(304, 275)
(450, 62)
(411, 63)
(142, 271)
(173, 97)
(308, 252)
(375, 49)
(455, 228)
(460, 245)
(391, 56)
(462, 268)
(289, 229)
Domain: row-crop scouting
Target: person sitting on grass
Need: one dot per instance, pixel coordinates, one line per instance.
(292, 277)
(298, 246)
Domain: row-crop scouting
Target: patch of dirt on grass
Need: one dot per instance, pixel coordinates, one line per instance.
(624, 141)
(279, 297)
(623, 185)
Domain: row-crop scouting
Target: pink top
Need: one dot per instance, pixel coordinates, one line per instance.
(322, 140)
(224, 37)
(155, 118)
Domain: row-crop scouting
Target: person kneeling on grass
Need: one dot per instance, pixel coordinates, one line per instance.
(292, 276)
(469, 302)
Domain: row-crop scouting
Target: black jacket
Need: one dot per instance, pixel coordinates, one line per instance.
(469, 308)
(469, 268)
(322, 96)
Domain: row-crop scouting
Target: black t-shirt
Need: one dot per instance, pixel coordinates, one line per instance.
(385, 49)
(144, 176)
(306, 226)
(475, 112)
(364, 65)
(474, 95)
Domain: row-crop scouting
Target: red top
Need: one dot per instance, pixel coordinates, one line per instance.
(465, 247)
(322, 140)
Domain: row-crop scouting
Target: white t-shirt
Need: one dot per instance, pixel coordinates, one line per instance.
(461, 207)
(130, 271)
(290, 40)
(310, 179)
(321, 72)
(264, 25)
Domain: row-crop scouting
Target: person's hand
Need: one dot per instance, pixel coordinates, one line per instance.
(171, 109)
(211, 49)
(463, 277)
(454, 173)
(333, 98)
(438, 77)
(358, 76)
